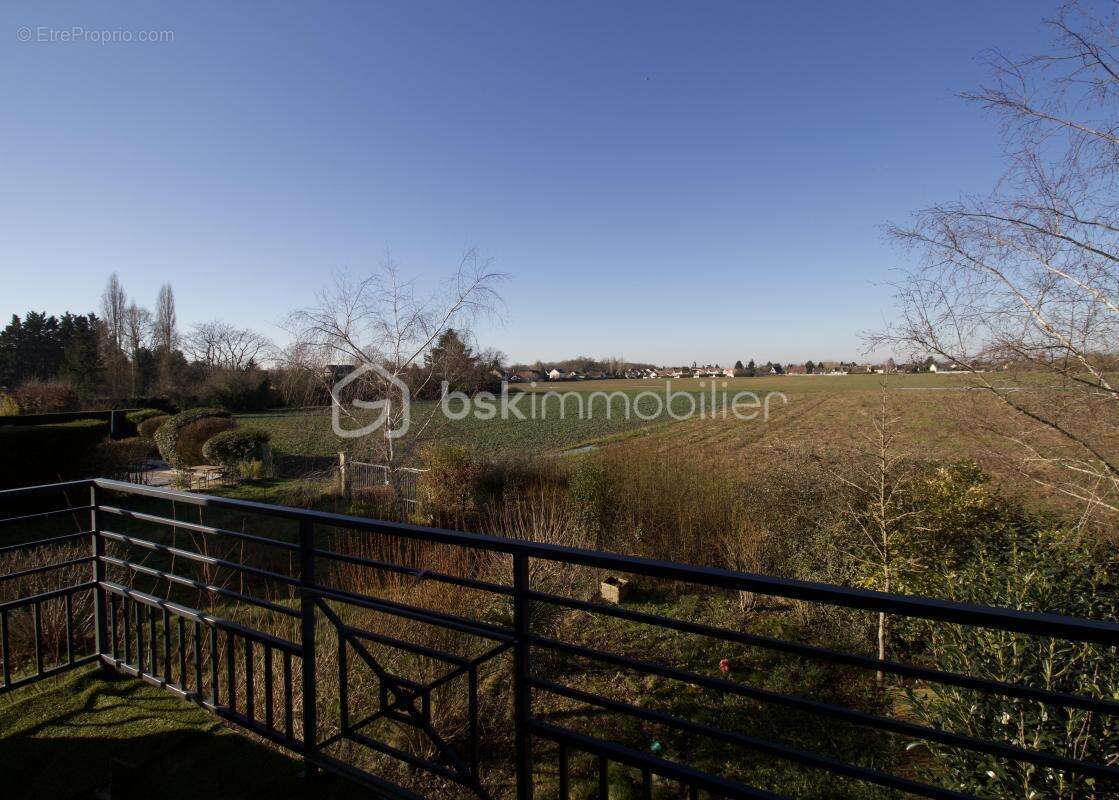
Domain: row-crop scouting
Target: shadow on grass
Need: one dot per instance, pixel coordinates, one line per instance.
(72, 736)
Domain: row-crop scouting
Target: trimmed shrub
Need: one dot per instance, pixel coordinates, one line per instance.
(230, 448)
(167, 436)
(194, 437)
(147, 428)
(49, 453)
(136, 417)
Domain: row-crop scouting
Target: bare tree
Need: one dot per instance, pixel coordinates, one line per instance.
(384, 320)
(114, 304)
(219, 345)
(884, 544)
(137, 334)
(165, 333)
(1027, 278)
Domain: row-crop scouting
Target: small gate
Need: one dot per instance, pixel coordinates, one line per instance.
(361, 475)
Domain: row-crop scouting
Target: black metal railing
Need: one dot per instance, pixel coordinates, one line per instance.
(265, 672)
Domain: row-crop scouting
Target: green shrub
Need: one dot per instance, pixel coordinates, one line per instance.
(167, 436)
(138, 416)
(147, 428)
(36, 454)
(589, 499)
(1033, 571)
(447, 494)
(230, 448)
(193, 437)
(8, 405)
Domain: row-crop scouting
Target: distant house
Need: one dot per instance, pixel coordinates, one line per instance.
(556, 375)
(525, 376)
(728, 372)
(861, 369)
(795, 369)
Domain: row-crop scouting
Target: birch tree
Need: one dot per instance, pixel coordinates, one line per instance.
(1020, 287)
(385, 319)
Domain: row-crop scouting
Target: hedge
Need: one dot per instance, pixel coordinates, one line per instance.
(229, 448)
(167, 437)
(147, 428)
(138, 416)
(35, 454)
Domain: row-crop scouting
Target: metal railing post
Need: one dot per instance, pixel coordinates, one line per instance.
(99, 604)
(307, 642)
(522, 665)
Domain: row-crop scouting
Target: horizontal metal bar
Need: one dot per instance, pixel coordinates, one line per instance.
(183, 581)
(449, 621)
(1082, 702)
(7, 495)
(1000, 749)
(57, 512)
(69, 537)
(1030, 622)
(191, 555)
(38, 598)
(753, 743)
(338, 767)
(719, 787)
(50, 672)
(197, 527)
(422, 574)
(200, 616)
(23, 573)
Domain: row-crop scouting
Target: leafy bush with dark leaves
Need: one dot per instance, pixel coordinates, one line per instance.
(194, 437)
(232, 447)
(167, 437)
(147, 428)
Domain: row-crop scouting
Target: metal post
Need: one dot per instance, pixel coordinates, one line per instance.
(307, 641)
(522, 700)
(99, 615)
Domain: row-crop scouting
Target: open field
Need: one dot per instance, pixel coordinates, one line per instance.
(553, 423)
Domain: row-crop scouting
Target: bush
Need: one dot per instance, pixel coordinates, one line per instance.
(1033, 571)
(240, 391)
(589, 499)
(230, 448)
(120, 459)
(167, 436)
(147, 428)
(49, 453)
(37, 396)
(447, 494)
(136, 417)
(8, 406)
(193, 437)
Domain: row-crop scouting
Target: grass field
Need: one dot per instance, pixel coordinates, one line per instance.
(554, 424)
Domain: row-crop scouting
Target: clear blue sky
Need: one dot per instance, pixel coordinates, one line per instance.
(665, 181)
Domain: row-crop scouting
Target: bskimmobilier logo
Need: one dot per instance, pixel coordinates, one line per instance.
(394, 428)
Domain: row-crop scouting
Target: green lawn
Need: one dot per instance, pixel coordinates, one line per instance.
(69, 736)
(554, 424)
